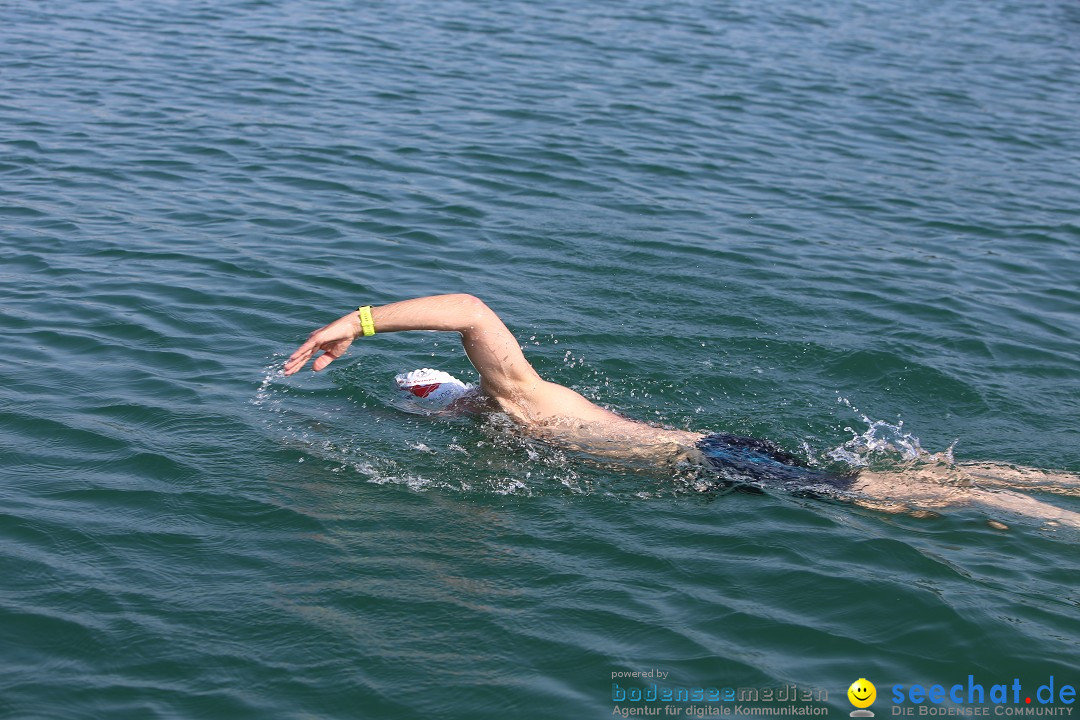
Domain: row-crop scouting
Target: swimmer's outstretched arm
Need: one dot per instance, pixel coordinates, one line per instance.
(505, 375)
(491, 348)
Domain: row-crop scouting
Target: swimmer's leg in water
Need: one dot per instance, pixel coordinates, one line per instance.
(1010, 477)
(932, 487)
(916, 489)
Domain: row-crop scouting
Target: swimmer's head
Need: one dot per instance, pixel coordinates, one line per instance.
(430, 389)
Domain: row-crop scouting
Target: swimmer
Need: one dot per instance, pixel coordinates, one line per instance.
(558, 415)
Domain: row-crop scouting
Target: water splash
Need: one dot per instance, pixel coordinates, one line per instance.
(269, 391)
(884, 441)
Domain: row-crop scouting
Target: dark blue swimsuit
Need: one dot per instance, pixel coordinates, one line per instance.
(762, 462)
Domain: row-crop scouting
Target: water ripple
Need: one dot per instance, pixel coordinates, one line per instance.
(715, 216)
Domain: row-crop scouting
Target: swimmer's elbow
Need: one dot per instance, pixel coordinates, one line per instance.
(473, 312)
(470, 303)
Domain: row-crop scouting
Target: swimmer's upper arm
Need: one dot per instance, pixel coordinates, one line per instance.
(495, 353)
(491, 347)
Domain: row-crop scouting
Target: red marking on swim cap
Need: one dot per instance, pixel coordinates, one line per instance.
(424, 390)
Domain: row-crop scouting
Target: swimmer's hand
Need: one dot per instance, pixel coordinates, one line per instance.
(333, 340)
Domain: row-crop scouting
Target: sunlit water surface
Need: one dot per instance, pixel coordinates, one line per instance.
(836, 225)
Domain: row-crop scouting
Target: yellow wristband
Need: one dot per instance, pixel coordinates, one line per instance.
(365, 320)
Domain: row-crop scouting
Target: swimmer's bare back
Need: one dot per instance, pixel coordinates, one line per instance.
(557, 414)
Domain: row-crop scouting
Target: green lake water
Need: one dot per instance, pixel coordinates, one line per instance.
(828, 224)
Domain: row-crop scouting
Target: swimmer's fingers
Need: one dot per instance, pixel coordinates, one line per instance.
(298, 358)
(301, 355)
(304, 353)
(330, 354)
(333, 339)
(332, 350)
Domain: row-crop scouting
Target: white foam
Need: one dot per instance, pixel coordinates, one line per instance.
(884, 440)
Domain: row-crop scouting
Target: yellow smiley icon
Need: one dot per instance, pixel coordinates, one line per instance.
(862, 693)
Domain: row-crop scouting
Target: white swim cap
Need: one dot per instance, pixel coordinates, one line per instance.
(433, 389)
